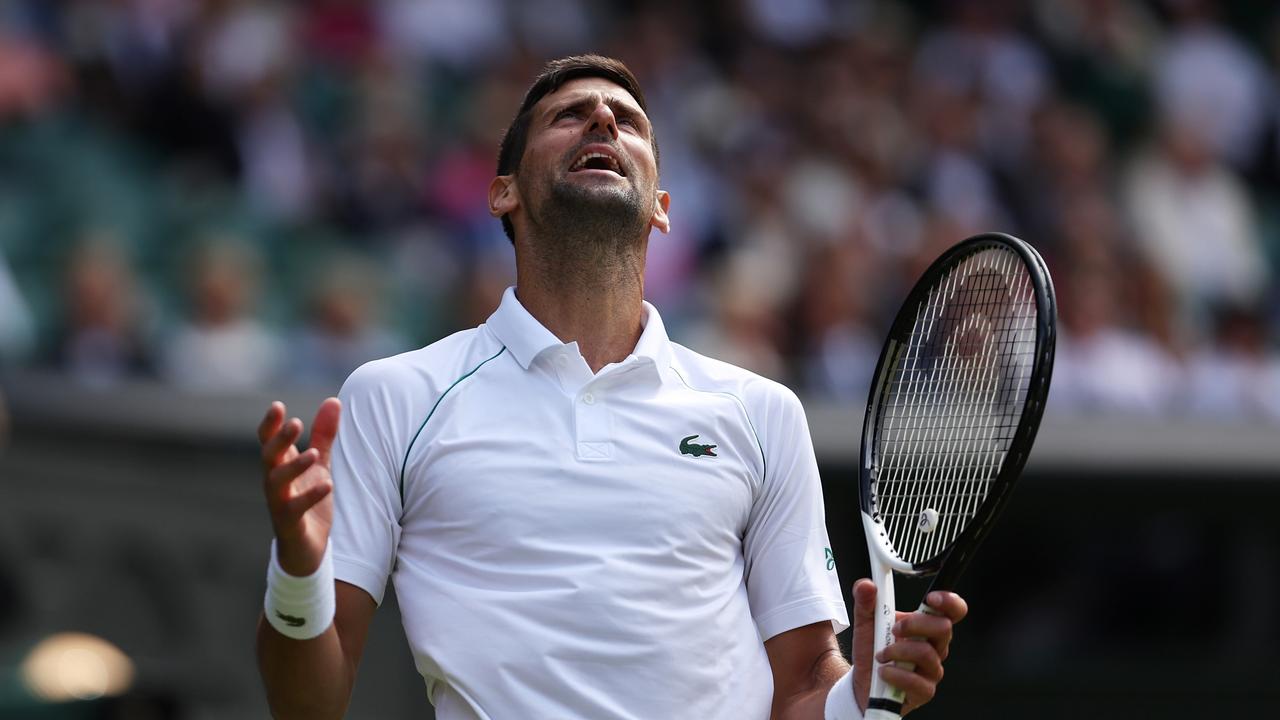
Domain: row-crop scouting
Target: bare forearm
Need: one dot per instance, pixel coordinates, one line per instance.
(809, 702)
(304, 678)
(812, 703)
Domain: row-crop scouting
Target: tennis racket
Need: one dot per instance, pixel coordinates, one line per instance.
(953, 410)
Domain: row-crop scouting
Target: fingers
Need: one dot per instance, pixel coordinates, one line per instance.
(919, 689)
(921, 644)
(283, 465)
(325, 428)
(921, 655)
(948, 604)
(295, 507)
(285, 473)
(921, 669)
(936, 630)
(275, 449)
(270, 424)
(285, 505)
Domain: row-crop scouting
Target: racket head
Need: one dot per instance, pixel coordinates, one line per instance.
(955, 403)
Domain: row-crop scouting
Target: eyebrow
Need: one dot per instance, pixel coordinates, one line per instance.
(591, 99)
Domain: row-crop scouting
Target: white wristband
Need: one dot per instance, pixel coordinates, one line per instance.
(840, 702)
(300, 607)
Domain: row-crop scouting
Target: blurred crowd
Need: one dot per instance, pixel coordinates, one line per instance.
(230, 195)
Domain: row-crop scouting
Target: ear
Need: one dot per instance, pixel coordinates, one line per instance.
(504, 196)
(660, 219)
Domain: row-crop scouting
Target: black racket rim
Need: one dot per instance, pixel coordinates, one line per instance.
(951, 562)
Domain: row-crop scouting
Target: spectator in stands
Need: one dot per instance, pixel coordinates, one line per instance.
(370, 121)
(222, 347)
(463, 35)
(746, 328)
(1207, 79)
(1103, 52)
(1196, 222)
(1235, 377)
(839, 338)
(103, 337)
(955, 177)
(343, 331)
(979, 54)
(1102, 365)
(1070, 163)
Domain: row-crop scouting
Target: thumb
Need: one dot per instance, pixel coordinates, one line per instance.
(864, 630)
(864, 601)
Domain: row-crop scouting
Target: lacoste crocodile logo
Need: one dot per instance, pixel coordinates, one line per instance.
(290, 620)
(694, 449)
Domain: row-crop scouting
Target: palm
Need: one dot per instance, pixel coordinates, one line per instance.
(313, 526)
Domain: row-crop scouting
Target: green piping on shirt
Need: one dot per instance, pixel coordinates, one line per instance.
(408, 450)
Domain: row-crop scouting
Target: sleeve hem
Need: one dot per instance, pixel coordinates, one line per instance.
(803, 612)
(360, 574)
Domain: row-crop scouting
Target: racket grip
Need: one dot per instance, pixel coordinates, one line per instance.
(893, 694)
(885, 701)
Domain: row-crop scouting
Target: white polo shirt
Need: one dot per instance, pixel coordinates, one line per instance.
(569, 545)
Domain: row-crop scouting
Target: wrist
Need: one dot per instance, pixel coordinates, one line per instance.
(294, 557)
(300, 607)
(841, 704)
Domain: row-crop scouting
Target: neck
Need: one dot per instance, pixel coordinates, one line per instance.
(591, 293)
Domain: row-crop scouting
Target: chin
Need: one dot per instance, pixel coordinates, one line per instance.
(593, 208)
(574, 190)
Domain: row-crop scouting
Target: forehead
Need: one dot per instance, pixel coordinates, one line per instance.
(586, 88)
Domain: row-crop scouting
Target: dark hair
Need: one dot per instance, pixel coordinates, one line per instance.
(553, 76)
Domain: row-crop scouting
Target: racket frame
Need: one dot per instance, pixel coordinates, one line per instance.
(885, 701)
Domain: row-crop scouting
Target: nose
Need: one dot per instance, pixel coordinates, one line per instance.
(603, 122)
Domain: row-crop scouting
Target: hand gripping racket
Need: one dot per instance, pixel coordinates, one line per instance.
(953, 411)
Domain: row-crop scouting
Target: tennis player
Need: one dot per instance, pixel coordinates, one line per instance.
(581, 518)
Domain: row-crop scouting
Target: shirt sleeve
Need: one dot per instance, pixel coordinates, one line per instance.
(790, 571)
(366, 496)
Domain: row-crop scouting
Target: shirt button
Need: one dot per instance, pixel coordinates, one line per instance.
(589, 399)
(562, 360)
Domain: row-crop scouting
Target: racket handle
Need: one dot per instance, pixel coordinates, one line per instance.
(892, 694)
(885, 701)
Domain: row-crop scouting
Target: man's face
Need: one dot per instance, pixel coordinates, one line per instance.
(589, 157)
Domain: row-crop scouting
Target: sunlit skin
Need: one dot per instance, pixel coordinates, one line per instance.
(584, 289)
(581, 274)
(584, 115)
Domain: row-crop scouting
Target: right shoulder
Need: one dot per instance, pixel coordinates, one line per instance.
(425, 370)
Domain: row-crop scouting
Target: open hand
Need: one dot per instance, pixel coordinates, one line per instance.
(298, 485)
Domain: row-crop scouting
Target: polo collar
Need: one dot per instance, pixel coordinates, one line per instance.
(526, 338)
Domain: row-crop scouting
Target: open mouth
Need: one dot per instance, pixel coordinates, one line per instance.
(597, 161)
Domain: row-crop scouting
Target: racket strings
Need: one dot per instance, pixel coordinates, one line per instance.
(949, 411)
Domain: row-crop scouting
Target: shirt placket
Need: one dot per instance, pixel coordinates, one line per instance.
(592, 422)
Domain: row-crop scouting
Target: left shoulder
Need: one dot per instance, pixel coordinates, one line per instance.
(761, 397)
